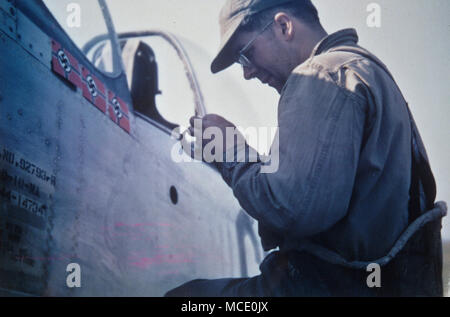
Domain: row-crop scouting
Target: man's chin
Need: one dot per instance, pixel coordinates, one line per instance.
(276, 86)
(273, 84)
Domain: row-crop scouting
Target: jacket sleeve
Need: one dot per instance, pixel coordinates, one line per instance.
(319, 140)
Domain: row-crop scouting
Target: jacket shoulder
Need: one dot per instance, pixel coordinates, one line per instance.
(339, 68)
(334, 60)
(353, 72)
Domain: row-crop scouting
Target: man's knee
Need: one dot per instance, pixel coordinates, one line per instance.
(189, 289)
(224, 287)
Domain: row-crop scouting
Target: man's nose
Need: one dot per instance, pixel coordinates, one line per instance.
(249, 72)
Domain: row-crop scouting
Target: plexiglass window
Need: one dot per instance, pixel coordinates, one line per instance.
(158, 80)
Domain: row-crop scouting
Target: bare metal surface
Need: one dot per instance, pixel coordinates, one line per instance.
(109, 209)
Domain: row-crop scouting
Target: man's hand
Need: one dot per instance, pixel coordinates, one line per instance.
(199, 125)
(211, 141)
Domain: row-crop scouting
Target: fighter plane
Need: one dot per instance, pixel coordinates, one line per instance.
(88, 136)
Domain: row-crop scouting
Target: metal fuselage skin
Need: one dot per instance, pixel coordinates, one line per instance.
(77, 188)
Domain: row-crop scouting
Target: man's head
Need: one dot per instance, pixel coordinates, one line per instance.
(269, 38)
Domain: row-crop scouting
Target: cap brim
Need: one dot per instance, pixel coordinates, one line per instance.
(225, 57)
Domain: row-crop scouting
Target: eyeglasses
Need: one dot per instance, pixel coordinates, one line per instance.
(244, 60)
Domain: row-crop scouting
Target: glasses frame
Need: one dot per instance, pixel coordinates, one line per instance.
(243, 60)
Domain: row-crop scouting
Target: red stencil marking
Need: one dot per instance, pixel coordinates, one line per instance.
(124, 123)
(86, 92)
(73, 61)
(55, 46)
(123, 106)
(56, 66)
(100, 86)
(75, 79)
(112, 115)
(100, 103)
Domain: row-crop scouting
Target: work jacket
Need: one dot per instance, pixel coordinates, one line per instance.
(353, 184)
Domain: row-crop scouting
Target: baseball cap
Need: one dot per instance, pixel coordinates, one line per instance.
(231, 17)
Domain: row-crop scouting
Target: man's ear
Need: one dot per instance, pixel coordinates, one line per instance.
(284, 25)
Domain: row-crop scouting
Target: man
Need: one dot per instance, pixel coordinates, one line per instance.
(353, 186)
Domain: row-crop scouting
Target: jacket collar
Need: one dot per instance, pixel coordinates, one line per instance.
(342, 37)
